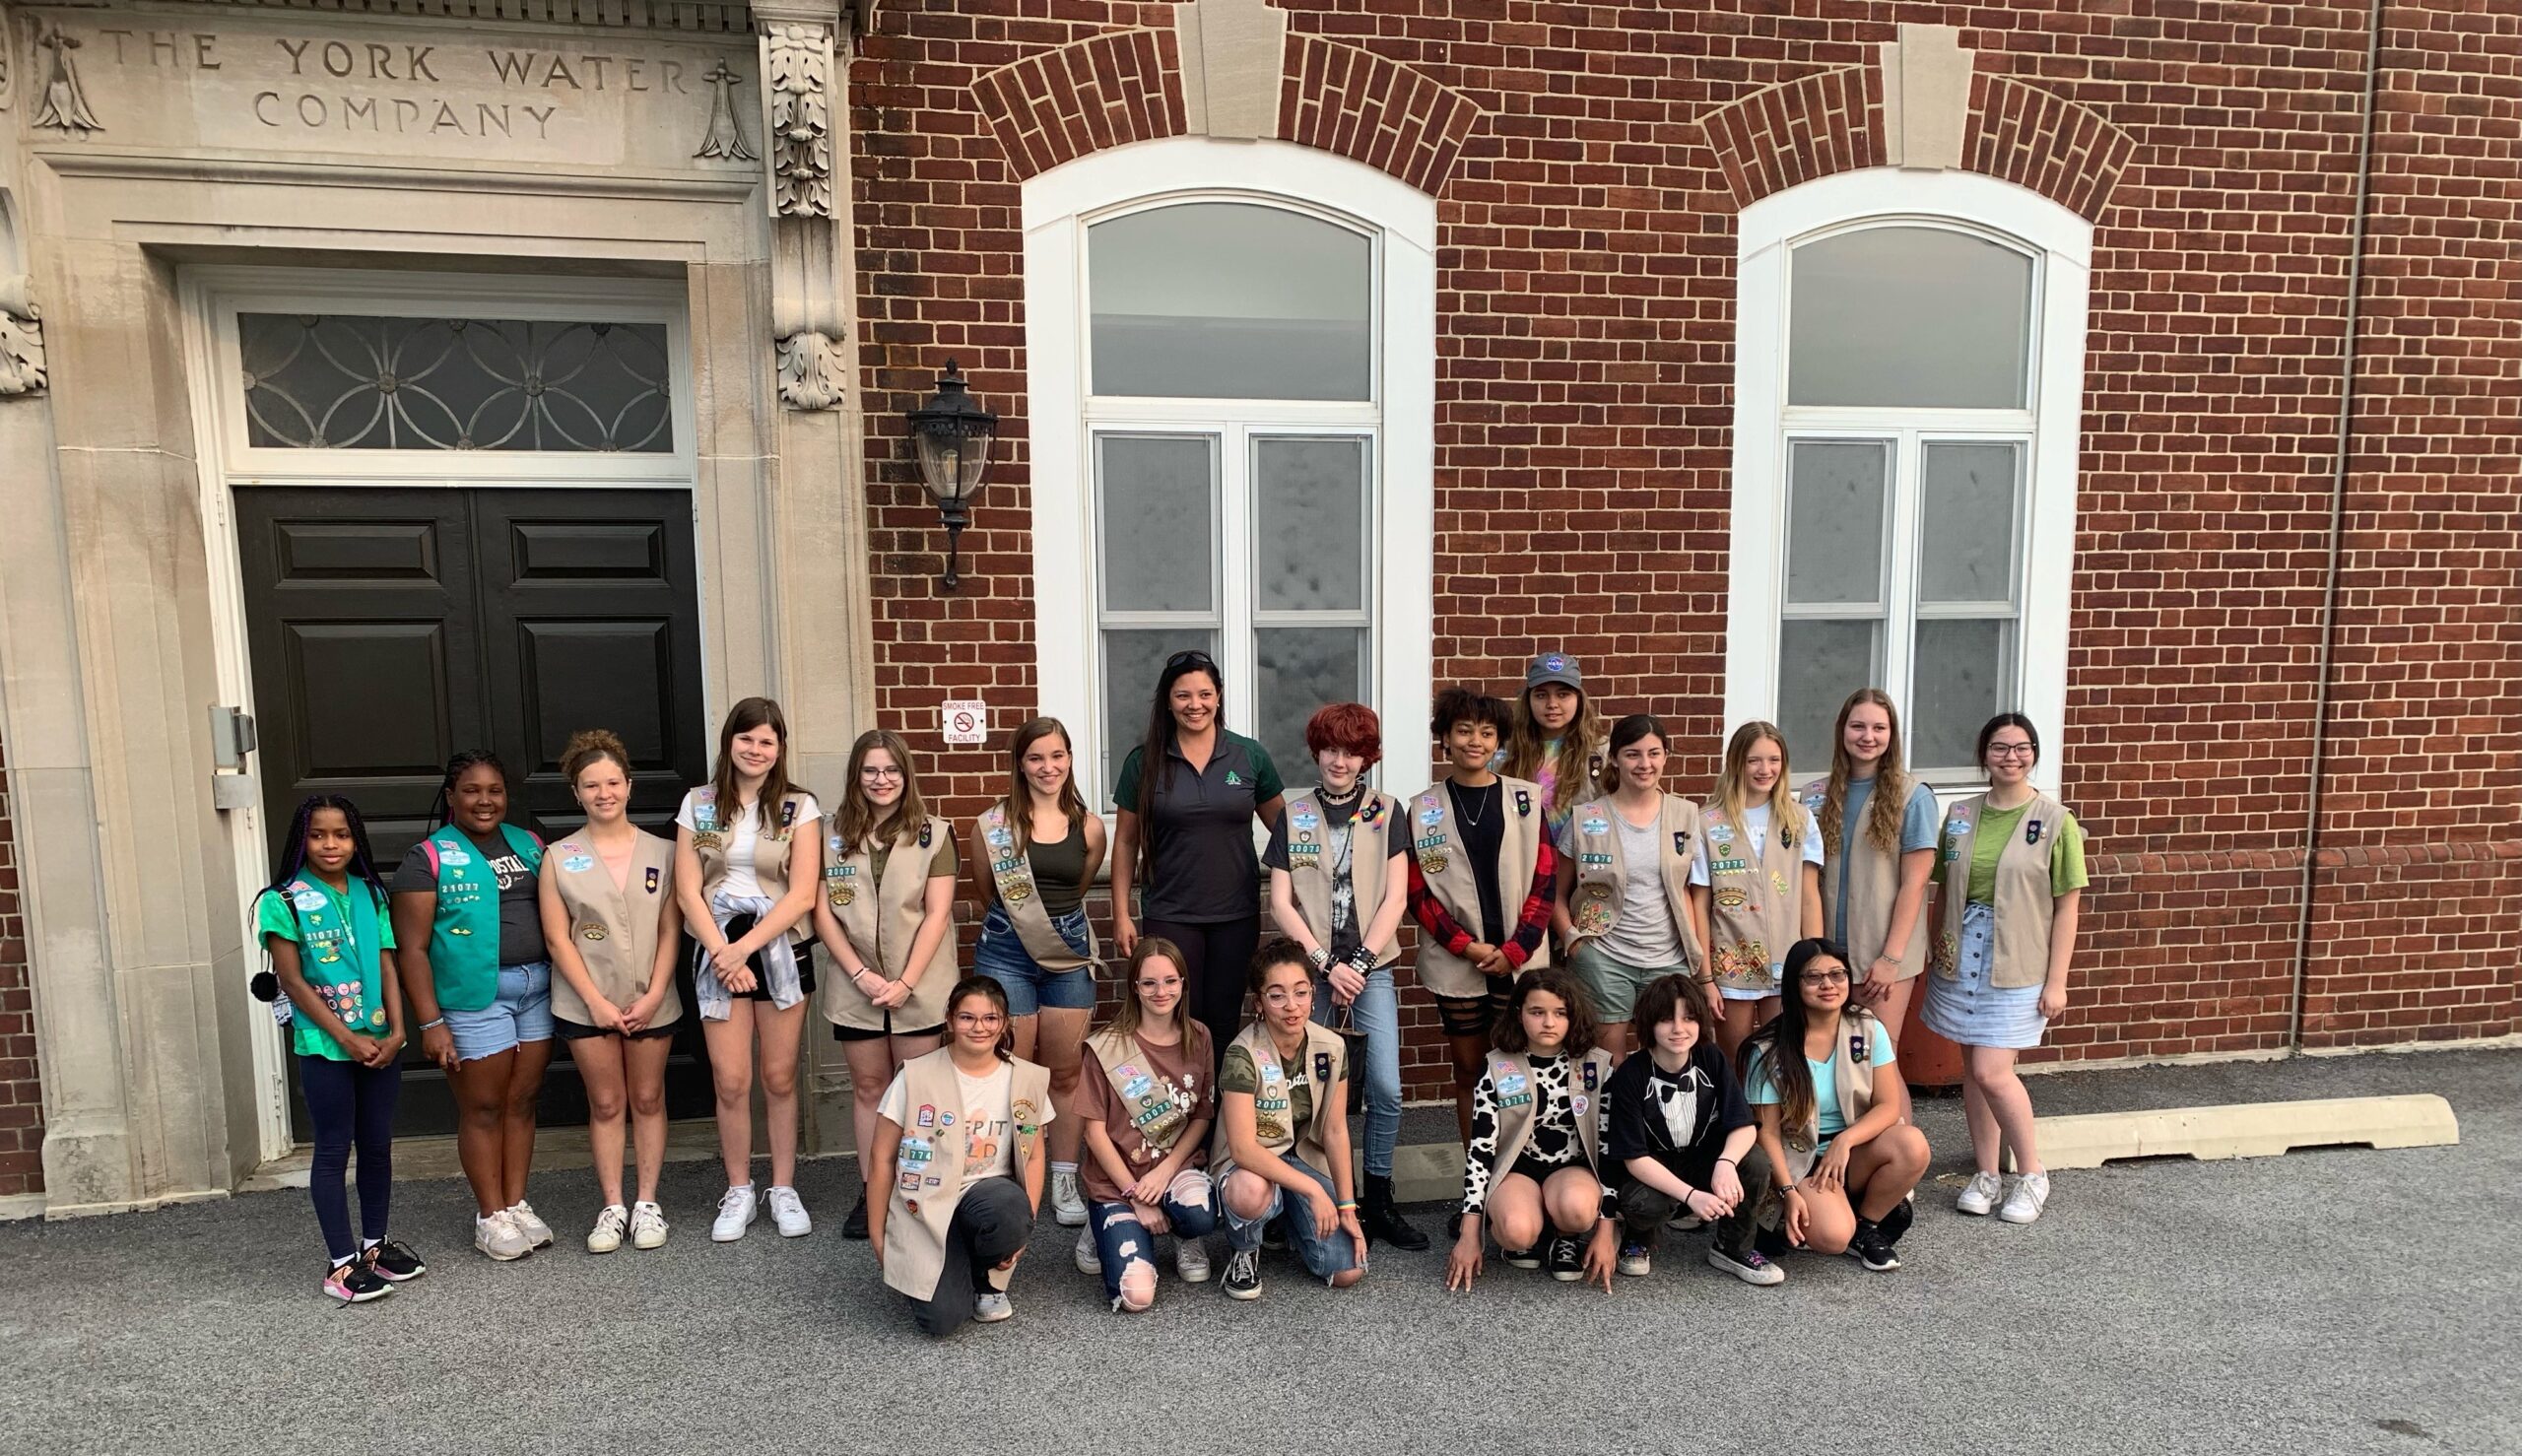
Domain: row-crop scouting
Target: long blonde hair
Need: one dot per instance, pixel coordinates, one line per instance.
(1018, 806)
(1786, 812)
(1572, 777)
(858, 823)
(1882, 810)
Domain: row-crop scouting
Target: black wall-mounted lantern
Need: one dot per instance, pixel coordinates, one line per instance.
(954, 434)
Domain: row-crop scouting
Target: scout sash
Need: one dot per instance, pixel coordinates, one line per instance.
(1011, 872)
(1158, 1110)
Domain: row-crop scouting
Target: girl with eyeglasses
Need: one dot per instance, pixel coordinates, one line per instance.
(1036, 851)
(1148, 1102)
(2011, 867)
(1281, 1143)
(886, 919)
(1823, 1079)
(1877, 845)
(1186, 802)
(959, 1133)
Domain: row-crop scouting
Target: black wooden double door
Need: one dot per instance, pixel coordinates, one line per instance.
(391, 628)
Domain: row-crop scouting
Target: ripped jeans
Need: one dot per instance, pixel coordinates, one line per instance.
(1190, 1207)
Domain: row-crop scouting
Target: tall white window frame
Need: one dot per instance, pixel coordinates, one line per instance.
(1065, 421)
(2061, 245)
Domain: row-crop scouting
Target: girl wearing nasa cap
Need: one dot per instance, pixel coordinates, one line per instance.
(1533, 1167)
(1558, 737)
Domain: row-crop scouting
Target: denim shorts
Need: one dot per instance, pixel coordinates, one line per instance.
(521, 1012)
(1001, 957)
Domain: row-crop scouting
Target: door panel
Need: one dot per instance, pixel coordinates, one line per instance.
(390, 627)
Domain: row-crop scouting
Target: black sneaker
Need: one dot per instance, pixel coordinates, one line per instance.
(1522, 1258)
(1868, 1247)
(1772, 1242)
(855, 1226)
(394, 1262)
(353, 1283)
(1752, 1268)
(1637, 1258)
(1274, 1235)
(1242, 1274)
(1897, 1221)
(1566, 1260)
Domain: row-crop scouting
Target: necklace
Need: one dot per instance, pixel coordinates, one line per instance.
(1328, 797)
(1464, 806)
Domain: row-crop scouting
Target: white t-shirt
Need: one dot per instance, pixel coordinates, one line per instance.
(741, 835)
(986, 1118)
(1756, 825)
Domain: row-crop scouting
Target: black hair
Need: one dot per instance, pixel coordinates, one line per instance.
(1161, 728)
(293, 856)
(443, 807)
(1782, 1038)
(2008, 720)
(1276, 951)
(1461, 704)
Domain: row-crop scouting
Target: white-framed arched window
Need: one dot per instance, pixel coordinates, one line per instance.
(1908, 383)
(1230, 353)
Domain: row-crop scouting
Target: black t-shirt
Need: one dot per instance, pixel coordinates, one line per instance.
(1349, 919)
(1484, 835)
(1678, 1119)
(520, 912)
(1199, 828)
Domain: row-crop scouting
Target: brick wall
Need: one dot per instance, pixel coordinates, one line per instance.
(21, 1098)
(1583, 429)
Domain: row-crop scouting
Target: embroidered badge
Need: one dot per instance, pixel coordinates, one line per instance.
(1000, 836)
(945, 1119)
(1322, 1067)
(579, 864)
(455, 859)
(1371, 811)
(1777, 882)
(1430, 813)
(1592, 1071)
(1304, 817)
(2031, 832)
(1730, 898)
(1680, 843)
(1021, 1114)
(1856, 1048)
(916, 1152)
(1433, 862)
(592, 931)
(1595, 914)
(308, 899)
(911, 1206)
(787, 813)
(706, 839)
(935, 1180)
(1304, 840)
(1591, 859)
(928, 1114)
(652, 878)
(1577, 1104)
(1552, 662)
(927, 834)
(1523, 804)
(1719, 833)
(908, 1181)
(1595, 823)
(1729, 867)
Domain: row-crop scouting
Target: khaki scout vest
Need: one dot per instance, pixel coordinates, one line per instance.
(770, 849)
(1755, 907)
(1446, 867)
(1309, 865)
(1602, 868)
(1011, 872)
(2024, 907)
(1512, 1074)
(1158, 1110)
(614, 931)
(882, 919)
(928, 1170)
(1852, 1059)
(1324, 1051)
(1873, 879)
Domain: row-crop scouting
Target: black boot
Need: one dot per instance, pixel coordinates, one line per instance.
(1380, 1216)
(855, 1226)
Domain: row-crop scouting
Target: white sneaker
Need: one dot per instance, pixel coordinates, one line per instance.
(735, 1215)
(498, 1236)
(648, 1226)
(1191, 1260)
(2031, 1194)
(536, 1231)
(992, 1308)
(789, 1213)
(1090, 1255)
(609, 1224)
(1067, 1205)
(1981, 1195)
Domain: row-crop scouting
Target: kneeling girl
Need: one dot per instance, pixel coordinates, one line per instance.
(961, 1130)
(1147, 1102)
(1281, 1144)
(1533, 1167)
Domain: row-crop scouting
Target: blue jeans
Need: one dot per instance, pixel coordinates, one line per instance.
(1123, 1241)
(1000, 955)
(1325, 1251)
(1378, 1013)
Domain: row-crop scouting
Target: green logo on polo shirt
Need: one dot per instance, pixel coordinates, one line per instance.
(1232, 778)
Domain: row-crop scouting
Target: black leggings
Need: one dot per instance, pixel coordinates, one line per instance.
(1218, 970)
(347, 1102)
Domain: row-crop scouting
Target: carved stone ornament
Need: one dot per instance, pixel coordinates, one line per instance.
(726, 138)
(63, 106)
(810, 370)
(22, 370)
(797, 62)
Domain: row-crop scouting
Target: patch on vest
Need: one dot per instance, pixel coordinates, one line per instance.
(1731, 899)
(1777, 882)
(592, 931)
(2031, 832)
(308, 899)
(1322, 1068)
(1680, 843)
(579, 864)
(1595, 913)
(455, 859)
(1523, 804)
(652, 878)
(927, 834)
(1371, 811)
(1595, 823)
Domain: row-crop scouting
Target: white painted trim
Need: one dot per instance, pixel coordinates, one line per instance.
(1764, 233)
(1276, 172)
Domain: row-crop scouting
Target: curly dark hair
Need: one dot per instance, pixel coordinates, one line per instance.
(1509, 1033)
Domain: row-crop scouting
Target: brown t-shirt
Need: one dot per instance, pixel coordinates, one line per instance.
(1170, 1088)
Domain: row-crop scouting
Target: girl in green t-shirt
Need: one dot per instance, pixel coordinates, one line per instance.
(324, 923)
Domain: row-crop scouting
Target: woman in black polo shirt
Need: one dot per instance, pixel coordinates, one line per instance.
(1187, 834)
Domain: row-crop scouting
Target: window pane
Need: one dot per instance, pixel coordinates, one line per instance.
(354, 382)
(1302, 668)
(1158, 503)
(1910, 316)
(1834, 491)
(1311, 501)
(1964, 675)
(1818, 664)
(1132, 661)
(1966, 550)
(1229, 300)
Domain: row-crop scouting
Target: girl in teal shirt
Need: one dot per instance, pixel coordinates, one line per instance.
(323, 923)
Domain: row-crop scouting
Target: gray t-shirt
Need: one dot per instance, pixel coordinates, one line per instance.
(520, 912)
(1645, 935)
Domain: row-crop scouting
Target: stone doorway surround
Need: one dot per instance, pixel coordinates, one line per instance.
(473, 136)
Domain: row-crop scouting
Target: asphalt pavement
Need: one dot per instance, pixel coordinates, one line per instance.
(2327, 1301)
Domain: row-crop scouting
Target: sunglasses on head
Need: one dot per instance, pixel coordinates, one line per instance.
(1190, 657)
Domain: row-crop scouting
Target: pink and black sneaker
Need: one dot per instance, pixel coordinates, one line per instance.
(394, 1262)
(353, 1283)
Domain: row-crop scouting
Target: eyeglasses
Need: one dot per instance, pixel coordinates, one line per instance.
(1281, 1000)
(1837, 977)
(978, 1019)
(880, 770)
(2012, 749)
